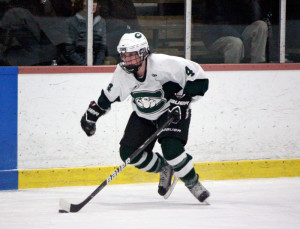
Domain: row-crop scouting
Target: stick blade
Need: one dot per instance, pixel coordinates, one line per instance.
(64, 205)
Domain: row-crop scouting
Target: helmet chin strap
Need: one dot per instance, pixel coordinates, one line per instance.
(133, 68)
(130, 68)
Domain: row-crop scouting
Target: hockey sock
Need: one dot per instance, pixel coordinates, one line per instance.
(190, 179)
(146, 161)
(173, 151)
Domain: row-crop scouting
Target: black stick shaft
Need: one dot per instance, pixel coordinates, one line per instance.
(77, 207)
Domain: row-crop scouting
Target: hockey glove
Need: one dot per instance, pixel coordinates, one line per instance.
(90, 117)
(183, 102)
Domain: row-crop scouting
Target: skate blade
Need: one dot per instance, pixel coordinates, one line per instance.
(205, 202)
(169, 192)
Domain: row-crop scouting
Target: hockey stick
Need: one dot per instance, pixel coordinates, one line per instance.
(68, 207)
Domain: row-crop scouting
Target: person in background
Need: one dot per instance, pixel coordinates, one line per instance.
(25, 43)
(3, 34)
(75, 47)
(48, 8)
(235, 30)
(33, 30)
(161, 87)
(121, 17)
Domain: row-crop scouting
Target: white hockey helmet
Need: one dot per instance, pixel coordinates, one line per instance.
(133, 42)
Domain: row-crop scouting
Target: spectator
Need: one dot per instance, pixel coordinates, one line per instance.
(25, 43)
(3, 7)
(52, 18)
(235, 30)
(35, 7)
(33, 29)
(76, 43)
(121, 17)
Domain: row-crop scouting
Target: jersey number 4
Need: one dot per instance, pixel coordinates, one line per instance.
(189, 71)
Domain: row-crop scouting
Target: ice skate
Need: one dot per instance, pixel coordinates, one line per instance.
(166, 175)
(199, 192)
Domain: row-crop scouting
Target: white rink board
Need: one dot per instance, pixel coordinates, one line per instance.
(245, 115)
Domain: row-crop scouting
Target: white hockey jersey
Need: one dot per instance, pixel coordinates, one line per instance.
(148, 95)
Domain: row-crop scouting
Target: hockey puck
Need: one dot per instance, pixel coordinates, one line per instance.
(62, 211)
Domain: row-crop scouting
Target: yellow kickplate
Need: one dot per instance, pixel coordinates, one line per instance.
(248, 169)
(45, 178)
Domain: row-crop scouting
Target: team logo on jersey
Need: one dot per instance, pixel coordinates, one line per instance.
(149, 101)
(138, 35)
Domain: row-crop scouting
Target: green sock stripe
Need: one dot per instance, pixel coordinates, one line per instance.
(189, 179)
(146, 162)
(137, 158)
(158, 164)
(156, 167)
(183, 163)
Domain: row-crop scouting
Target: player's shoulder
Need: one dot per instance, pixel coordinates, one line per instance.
(159, 58)
(119, 70)
(173, 62)
(120, 73)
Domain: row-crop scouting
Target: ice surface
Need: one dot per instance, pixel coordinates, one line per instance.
(252, 203)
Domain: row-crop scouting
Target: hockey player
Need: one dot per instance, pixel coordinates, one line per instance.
(157, 83)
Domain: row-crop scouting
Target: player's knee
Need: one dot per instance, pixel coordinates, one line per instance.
(125, 152)
(171, 148)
